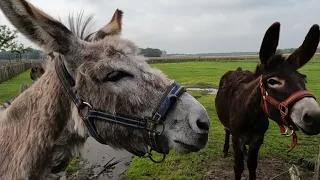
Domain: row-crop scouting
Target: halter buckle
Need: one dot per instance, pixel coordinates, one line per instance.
(152, 125)
(157, 116)
(283, 109)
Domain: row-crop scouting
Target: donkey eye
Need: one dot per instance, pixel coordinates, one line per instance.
(273, 82)
(117, 75)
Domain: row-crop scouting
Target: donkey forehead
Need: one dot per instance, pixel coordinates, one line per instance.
(128, 59)
(110, 45)
(286, 72)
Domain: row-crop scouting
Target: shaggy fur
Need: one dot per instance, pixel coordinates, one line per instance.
(238, 101)
(66, 147)
(31, 126)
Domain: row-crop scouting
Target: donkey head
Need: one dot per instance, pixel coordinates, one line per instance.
(111, 76)
(283, 82)
(36, 72)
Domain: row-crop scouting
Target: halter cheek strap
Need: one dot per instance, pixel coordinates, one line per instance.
(284, 110)
(175, 91)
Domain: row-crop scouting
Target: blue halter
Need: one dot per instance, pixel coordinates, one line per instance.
(88, 113)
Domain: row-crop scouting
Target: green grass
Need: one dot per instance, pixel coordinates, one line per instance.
(9, 89)
(72, 165)
(200, 73)
(209, 73)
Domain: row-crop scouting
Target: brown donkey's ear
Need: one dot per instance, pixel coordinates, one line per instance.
(269, 43)
(113, 27)
(308, 48)
(38, 26)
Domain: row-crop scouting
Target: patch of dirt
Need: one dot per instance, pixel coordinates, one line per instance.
(268, 168)
(100, 162)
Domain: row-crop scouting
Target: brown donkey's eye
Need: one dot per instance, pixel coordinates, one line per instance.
(273, 82)
(117, 75)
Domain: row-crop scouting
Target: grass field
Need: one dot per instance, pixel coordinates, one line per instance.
(10, 88)
(208, 163)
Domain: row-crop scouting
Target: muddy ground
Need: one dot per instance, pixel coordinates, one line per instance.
(269, 168)
(95, 157)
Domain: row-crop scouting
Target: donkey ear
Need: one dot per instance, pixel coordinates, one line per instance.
(114, 27)
(269, 43)
(39, 27)
(306, 51)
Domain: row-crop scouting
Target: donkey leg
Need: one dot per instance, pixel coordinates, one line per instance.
(253, 158)
(238, 158)
(226, 144)
(245, 153)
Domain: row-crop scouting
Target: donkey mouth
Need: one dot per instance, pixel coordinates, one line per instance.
(307, 132)
(188, 147)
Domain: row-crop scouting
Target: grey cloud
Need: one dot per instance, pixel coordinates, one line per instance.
(196, 26)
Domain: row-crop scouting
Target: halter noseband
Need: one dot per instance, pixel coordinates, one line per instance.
(150, 124)
(283, 107)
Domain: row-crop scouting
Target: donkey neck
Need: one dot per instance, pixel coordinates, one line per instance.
(253, 99)
(252, 92)
(30, 127)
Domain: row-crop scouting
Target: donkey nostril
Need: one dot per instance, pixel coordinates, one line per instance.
(307, 119)
(202, 125)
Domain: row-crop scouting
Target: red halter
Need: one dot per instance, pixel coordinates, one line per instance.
(283, 108)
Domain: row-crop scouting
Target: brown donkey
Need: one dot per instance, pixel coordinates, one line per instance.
(245, 100)
(103, 88)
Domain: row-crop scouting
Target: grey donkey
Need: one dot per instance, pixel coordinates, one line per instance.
(110, 75)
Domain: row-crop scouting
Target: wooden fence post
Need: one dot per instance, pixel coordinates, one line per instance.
(316, 167)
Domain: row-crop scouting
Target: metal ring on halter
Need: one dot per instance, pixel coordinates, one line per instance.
(155, 161)
(88, 104)
(286, 133)
(265, 95)
(82, 113)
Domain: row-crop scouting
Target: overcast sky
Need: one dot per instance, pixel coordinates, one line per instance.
(196, 26)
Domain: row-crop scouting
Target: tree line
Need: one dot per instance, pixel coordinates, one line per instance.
(10, 49)
(31, 54)
(152, 52)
